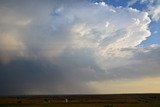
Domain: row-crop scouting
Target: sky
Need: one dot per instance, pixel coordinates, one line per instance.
(52, 47)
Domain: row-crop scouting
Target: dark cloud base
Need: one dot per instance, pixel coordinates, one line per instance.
(69, 73)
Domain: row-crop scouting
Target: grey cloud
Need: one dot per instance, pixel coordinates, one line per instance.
(145, 64)
(66, 74)
(34, 69)
(69, 73)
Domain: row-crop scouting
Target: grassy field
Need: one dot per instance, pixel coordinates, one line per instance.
(121, 100)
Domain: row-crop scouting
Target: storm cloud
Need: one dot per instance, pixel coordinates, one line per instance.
(63, 47)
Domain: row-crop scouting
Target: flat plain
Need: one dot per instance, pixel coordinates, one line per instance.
(106, 100)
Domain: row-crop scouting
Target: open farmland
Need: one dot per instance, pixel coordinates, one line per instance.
(111, 100)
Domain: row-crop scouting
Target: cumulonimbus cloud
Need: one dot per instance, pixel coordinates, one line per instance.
(64, 46)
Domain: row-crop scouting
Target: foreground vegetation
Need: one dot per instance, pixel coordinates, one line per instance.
(81, 105)
(133, 100)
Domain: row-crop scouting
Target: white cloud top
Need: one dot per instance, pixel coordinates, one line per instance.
(153, 7)
(101, 27)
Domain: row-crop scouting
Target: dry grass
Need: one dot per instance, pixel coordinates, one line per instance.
(121, 100)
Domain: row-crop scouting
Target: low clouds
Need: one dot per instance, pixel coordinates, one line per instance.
(139, 74)
(54, 47)
(10, 46)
